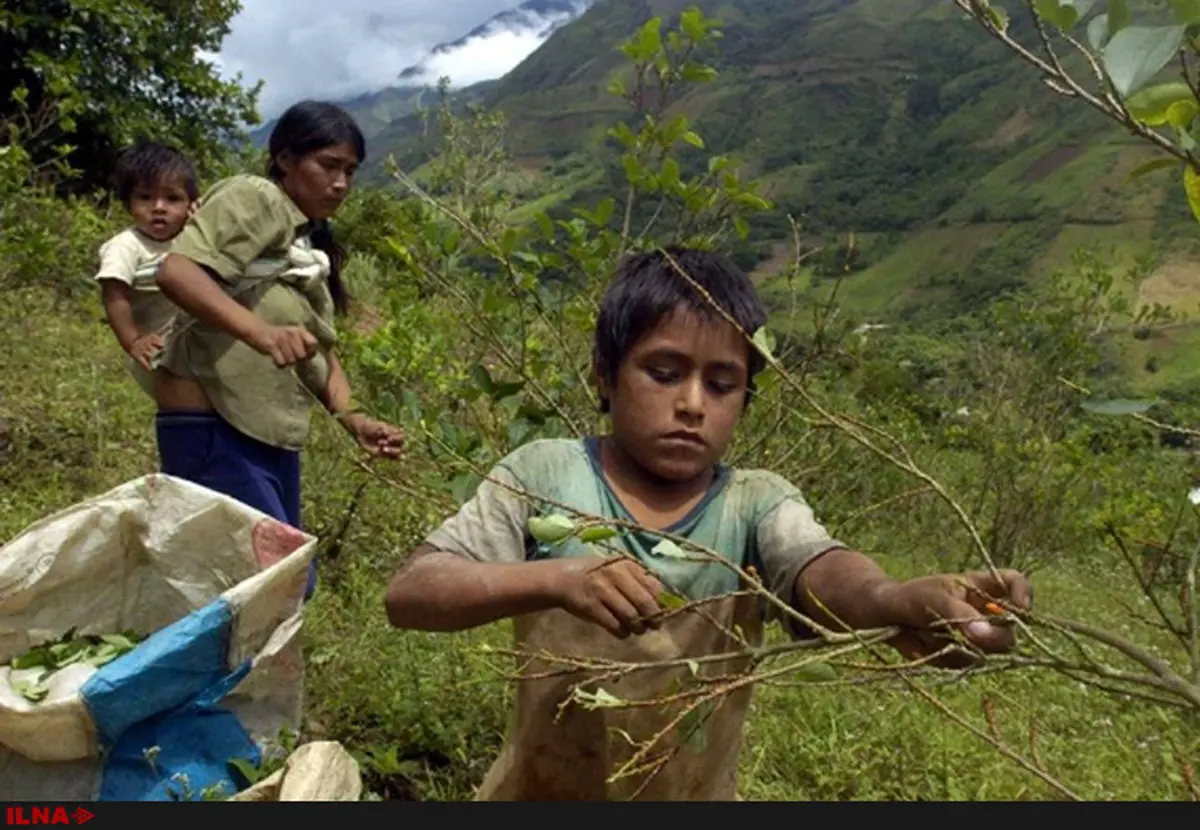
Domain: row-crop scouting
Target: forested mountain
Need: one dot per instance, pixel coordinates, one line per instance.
(957, 169)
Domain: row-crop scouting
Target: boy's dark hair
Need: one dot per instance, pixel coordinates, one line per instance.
(304, 128)
(148, 163)
(647, 287)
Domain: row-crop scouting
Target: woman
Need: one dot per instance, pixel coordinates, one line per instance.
(257, 274)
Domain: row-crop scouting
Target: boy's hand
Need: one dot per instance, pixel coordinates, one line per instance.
(286, 345)
(926, 603)
(613, 593)
(144, 348)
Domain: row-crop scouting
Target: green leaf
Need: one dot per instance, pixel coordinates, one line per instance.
(33, 692)
(693, 138)
(1151, 166)
(72, 657)
(764, 341)
(596, 533)
(1062, 15)
(599, 699)
(551, 529)
(691, 22)
(1137, 54)
(818, 672)
(249, 773)
(1191, 183)
(519, 429)
(1181, 114)
(103, 655)
(604, 211)
(693, 727)
(1082, 7)
(999, 17)
(669, 549)
(741, 226)
(1186, 141)
(1098, 32)
(120, 641)
(31, 659)
(1151, 105)
(696, 73)
(1118, 16)
(672, 601)
(412, 403)
(464, 485)
(483, 379)
(633, 168)
(1119, 406)
(1186, 11)
(671, 174)
(506, 389)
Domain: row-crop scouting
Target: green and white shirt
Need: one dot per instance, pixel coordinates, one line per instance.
(243, 223)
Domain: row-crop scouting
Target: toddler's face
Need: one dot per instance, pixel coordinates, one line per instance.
(160, 211)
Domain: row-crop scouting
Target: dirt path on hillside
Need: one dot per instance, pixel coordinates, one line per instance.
(1176, 284)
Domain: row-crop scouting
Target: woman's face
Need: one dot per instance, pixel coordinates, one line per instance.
(318, 182)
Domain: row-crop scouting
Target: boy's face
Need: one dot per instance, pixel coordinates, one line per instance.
(678, 395)
(160, 210)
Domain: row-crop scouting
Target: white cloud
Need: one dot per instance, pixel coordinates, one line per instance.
(316, 49)
(482, 59)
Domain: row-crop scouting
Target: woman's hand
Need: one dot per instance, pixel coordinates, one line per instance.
(377, 437)
(286, 345)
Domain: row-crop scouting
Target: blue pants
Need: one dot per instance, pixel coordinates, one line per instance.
(203, 448)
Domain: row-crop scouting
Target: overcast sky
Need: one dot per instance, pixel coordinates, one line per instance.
(314, 48)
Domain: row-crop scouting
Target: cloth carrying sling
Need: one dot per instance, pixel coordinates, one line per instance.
(305, 268)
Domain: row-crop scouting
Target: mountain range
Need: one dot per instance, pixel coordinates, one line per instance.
(489, 50)
(959, 173)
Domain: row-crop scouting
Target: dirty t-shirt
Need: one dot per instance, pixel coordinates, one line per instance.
(246, 218)
(750, 517)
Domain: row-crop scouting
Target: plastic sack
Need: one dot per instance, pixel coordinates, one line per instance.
(214, 586)
(317, 771)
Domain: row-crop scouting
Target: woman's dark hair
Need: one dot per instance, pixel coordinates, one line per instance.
(647, 288)
(304, 128)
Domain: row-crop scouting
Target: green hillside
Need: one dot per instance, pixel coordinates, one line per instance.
(959, 172)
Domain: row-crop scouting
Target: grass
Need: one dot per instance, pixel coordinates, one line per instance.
(426, 713)
(1169, 360)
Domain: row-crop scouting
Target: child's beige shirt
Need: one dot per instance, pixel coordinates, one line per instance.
(133, 258)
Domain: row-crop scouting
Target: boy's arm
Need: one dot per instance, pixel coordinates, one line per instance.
(115, 296)
(118, 264)
(472, 571)
(842, 589)
(436, 590)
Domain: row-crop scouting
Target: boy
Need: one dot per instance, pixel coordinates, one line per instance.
(674, 376)
(158, 187)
